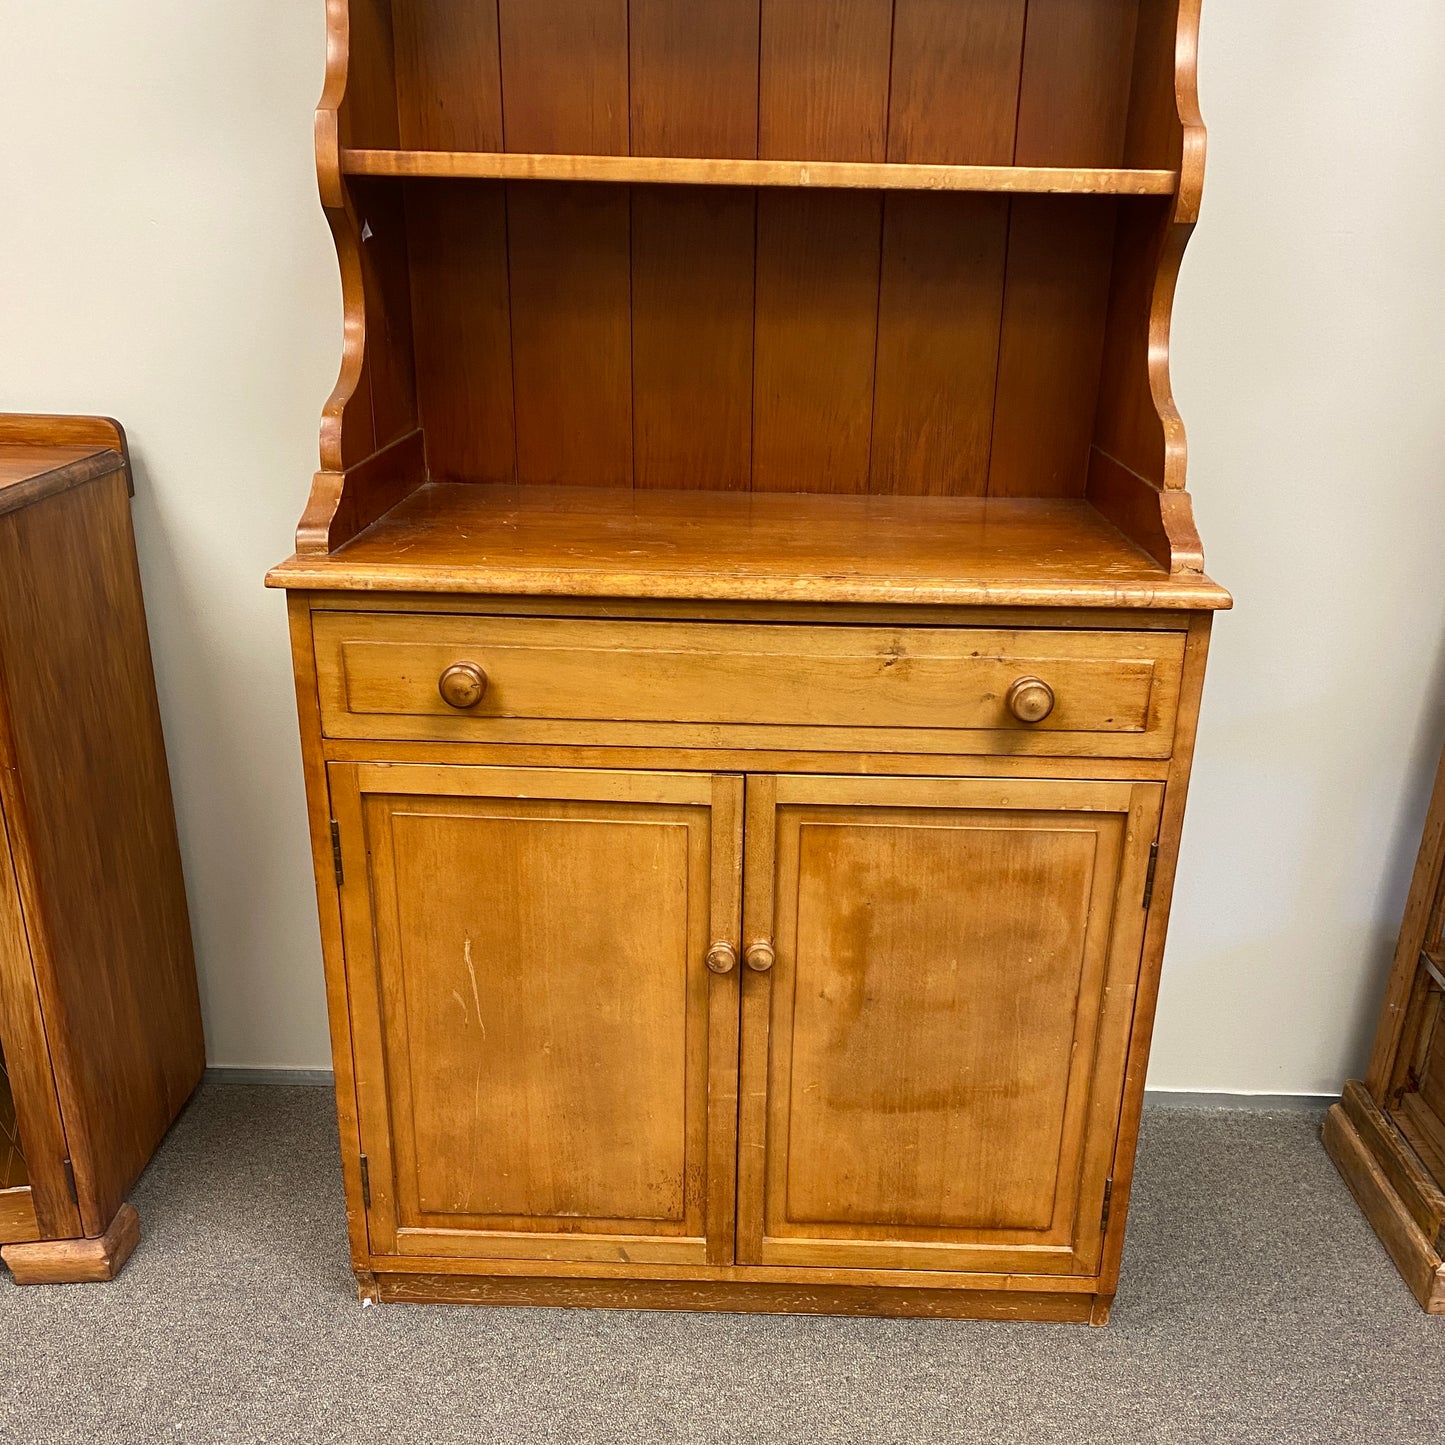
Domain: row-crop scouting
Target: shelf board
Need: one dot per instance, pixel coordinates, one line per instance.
(671, 170)
(749, 547)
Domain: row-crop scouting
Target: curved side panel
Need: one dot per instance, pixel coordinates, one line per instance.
(357, 429)
(1137, 472)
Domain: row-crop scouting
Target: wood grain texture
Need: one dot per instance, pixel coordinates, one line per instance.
(954, 95)
(448, 75)
(462, 320)
(18, 1224)
(76, 1261)
(48, 1210)
(821, 1299)
(1051, 346)
(692, 338)
(564, 75)
(605, 542)
(87, 802)
(319, 818)
(905, 911)
(480, 1022)
(571, 334)
(802, 686)
(816, 341)
(811, 174)
(694, 78)
(939, 312)
(1077, 72)
(1414, 1255)
(823, 80)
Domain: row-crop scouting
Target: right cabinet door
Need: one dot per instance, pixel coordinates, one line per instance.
(932, 1066)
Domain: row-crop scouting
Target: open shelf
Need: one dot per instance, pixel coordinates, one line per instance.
(749, 546)
(839, 175)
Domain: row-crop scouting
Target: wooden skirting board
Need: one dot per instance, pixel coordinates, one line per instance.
(76, 1261)
(1390, 1186)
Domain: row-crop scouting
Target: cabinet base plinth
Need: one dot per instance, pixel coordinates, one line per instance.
(1381, 1171)
(76, 1261)
(741, 1297)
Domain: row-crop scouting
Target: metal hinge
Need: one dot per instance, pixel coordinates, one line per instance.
(336, 852)
(1108, 1204)
(366, 1181)
(70, 1181)
(1148, 877)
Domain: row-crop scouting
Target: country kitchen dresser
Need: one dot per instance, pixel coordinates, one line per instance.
(749, 631)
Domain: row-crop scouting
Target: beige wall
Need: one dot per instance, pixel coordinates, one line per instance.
(163, 259)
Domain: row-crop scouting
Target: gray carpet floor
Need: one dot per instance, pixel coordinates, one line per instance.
(1256, 1305)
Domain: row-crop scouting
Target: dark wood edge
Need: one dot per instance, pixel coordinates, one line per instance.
(1389, 1217)
(726, 1296)
(38, 488)
(76, 1261)
(40, 429)
(1405, 967)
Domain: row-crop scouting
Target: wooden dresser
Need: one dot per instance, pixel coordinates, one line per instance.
(1387, 1133)
(100, 1023)
(749, 631)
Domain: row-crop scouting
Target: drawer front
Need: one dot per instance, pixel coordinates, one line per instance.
(764, 685)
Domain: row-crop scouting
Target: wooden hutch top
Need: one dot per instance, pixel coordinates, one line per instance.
(849, 301)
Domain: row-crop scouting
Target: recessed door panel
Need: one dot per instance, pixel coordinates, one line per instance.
(549, 1063)
(939, 1045)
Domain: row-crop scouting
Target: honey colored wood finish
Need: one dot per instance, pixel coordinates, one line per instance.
(76, 1261)
(99, 1015)
(705, 684)
(749, 634)
(1387, 1133)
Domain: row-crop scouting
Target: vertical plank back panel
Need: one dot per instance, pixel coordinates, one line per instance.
(461, 316)
(955, 81)
(1154, 137)
(368, 115)
(692, 336)
(564, 75)
(448, 74)
(694, 78)
(816, 343)
(571, 333)
(823, 80)
(938, 338)
(1074, 96)
(1050, 351)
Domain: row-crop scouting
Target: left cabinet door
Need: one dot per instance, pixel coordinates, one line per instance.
(546, 1065)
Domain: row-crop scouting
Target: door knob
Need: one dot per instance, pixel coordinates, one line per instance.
(462, 685)
(1030, 699)
(722, 958)
(760, 956)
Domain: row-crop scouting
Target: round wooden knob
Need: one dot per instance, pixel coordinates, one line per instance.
(1031, 699)
(760, 956)
(462, 685)
(722, 958)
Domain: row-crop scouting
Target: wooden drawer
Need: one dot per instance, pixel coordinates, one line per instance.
(705, 684)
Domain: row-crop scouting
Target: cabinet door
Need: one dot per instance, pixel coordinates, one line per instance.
(932, 1068)
(546, 1067)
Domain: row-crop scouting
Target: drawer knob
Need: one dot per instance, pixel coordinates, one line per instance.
(760, 956)
(722, 958)
(1031, 699)
(462, 685)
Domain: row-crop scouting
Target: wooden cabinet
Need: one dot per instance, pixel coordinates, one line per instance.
(1387, 1133)
(546, 1065)
(100, 1024)
(749, 633)
(932, 1067)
